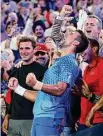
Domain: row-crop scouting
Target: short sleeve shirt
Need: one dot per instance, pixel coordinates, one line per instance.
(64, 69)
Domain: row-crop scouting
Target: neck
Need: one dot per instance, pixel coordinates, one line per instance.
(66, 51)
(28, 61)
(92, 59)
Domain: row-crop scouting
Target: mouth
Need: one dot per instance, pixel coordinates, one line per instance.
(88, 31)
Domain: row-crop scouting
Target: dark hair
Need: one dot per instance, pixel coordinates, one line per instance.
(38, 23)
(83, 42)
(94, 43)
(27, 39)
(8, 23)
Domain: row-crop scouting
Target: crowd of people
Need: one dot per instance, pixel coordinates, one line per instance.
(51, 68)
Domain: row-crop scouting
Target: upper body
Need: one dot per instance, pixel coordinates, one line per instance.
(93, 76)
(21, 108)
(64, 69)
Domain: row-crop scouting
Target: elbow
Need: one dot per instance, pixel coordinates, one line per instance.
(60, 92)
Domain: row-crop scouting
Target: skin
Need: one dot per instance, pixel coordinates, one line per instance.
(39, 32)
(91, 28)
(60, 87)
(26, 52)
(95, 108)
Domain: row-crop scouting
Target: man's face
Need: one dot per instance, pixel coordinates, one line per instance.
(70, 37)
(91, 28)
(26, 51)
(39, 32)
(87, 54)
(42, 57)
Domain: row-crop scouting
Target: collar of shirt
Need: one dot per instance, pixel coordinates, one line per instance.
(72, 55)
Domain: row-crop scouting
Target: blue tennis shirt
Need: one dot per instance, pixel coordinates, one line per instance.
(64, 69)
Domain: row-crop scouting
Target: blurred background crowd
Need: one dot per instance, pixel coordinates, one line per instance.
(36, 18)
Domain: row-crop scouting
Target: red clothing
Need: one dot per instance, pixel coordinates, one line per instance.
(8, 96)
(93, 76)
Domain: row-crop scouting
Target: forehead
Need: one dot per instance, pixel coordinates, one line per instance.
(25, 44)
(92, 20)
(38, 27)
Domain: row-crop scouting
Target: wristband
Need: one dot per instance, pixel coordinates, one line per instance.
(20, 90)
(94, 98)
(38, 85)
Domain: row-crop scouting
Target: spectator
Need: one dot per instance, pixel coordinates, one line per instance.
(92, 29)
(39, 29)
(21, 118)
(42, 54)
(95, 64)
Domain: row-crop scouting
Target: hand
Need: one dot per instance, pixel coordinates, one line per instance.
(89, 118)
(13, 83)
(81, 89)
(19, 64)
(85, 90)
(33, 13)
(2, 95)
(5, 125)
(66, 10)
(76, 90)
(6, 65)
(31, 79)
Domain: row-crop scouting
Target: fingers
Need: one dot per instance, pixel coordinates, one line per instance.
(5, 127)
(19, 64)
(31, 79)
(66, 10)
(75, 90)
(13, 83)
(89, 118)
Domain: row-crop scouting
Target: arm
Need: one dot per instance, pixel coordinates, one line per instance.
(98, 105)
(5, 124)
(28, 28)
(57, 35)
(28, 94)
(57, 89)
(95, 108)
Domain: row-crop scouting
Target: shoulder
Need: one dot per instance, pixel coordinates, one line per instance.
(39, 66)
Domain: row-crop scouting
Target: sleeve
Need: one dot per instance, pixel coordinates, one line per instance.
(28, 28)
(57, 36)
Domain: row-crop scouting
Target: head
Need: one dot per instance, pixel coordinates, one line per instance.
(53, 16)
(55, 55)
(91, 51)
(60, 4)
(26, 47)
(12, 17)
(24, 8)
(41, 54)
(75, 41)
(7, 54)
(92, 26)
(39, 29)
(50, 43)
(8, 28)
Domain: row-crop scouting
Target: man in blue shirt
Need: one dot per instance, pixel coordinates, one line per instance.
(49, 110)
